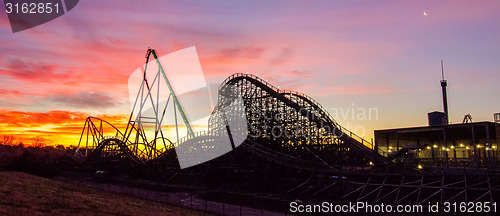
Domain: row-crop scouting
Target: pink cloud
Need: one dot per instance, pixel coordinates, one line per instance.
(319, 49)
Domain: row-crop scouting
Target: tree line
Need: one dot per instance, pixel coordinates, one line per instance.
(37, 158)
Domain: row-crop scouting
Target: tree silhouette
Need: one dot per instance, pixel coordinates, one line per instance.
(8, 139)
(38, 141)
(60, 147)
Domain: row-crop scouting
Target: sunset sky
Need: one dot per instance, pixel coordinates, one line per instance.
(348, 55)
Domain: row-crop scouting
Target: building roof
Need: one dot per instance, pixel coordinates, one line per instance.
(452, 130)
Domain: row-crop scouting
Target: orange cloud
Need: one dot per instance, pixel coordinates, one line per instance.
(56, 127)
(61, 127)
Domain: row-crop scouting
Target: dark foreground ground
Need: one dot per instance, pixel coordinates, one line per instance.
(25, 194)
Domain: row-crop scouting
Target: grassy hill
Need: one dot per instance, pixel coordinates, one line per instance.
(24, 194)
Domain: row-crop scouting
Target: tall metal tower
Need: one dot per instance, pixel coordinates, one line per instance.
(445, 98)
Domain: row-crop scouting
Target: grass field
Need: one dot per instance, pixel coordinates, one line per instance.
(24, 194)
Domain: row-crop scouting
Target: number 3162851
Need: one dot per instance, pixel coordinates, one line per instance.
(32, 8)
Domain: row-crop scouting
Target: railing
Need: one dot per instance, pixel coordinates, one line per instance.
(196, 134)
(102, 138)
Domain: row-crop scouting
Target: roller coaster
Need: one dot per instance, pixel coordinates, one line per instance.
(294, 148)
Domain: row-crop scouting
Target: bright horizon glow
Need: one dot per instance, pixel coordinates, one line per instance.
(68, 133)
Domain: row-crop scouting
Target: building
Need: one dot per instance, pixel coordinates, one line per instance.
(454, 145)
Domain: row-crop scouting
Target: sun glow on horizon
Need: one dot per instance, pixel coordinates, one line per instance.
(65, 128)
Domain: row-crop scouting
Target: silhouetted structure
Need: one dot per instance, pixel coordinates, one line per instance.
(465, 145)
(445, 96)
(296, 150)
(436, 118)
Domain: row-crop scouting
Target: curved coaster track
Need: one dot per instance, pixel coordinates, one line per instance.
(294, 150)
(284, 127)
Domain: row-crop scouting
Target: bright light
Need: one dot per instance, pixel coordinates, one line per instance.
(479, 146)
(435, 146)
(443, 148)
(494, 147)
(371, 163)
(468, 147)
(425, 13)
(419, 166)
(428, 147)
(452, 147)
(461, 145)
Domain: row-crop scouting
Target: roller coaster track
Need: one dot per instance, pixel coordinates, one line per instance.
(100, 138)
(322, 144)
(294, 150)
(255, 89)
(317, 159)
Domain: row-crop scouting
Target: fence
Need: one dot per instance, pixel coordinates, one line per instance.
(183, 199)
